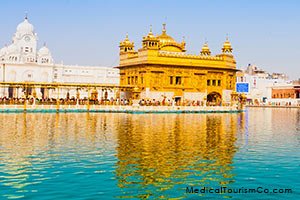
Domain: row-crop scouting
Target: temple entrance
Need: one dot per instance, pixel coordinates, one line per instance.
(214, 98)
(177, 101)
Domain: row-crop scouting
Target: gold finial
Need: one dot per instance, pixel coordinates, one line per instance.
(164, 28)
(227, 37)
(26, 15)
(126, 38)
(150, 34)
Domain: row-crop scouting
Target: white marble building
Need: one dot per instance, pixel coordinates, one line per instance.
(21, 61)
(260, 83)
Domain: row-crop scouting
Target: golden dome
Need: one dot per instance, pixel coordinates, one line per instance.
(167, 43)
(164, 37)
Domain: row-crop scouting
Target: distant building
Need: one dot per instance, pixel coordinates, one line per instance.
(21, 61)
(286, 94)
(162, 69)
(259, 83)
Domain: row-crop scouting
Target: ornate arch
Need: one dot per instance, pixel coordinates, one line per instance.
(45, 77)
(12, 76)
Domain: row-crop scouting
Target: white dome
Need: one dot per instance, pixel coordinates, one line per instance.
(44, 51)
(25, 27)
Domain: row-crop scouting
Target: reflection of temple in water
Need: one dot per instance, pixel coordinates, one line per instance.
(155, 153)
(160, 152)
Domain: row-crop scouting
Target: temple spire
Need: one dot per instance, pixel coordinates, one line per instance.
(205, 51)
(150, 34)
(227, 49)
(126, 45)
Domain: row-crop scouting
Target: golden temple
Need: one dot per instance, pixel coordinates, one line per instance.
(161, 69)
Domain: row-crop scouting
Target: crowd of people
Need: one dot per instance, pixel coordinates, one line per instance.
(111, 101)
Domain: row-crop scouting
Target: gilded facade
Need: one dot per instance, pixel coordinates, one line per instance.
(162, 69)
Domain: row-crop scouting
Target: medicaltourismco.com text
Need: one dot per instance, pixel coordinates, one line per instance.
(241, 190)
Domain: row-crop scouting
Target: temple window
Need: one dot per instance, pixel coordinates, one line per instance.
(219, 82)
(214, 82)
(171, 80)
(208, 82)
(178, 80)
(128, 80)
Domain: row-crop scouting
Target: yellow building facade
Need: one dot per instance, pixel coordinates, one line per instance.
(161, 69)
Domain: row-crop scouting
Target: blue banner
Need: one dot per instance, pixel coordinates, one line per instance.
(242, 87)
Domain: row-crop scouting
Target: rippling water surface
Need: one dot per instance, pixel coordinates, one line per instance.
(111, 156)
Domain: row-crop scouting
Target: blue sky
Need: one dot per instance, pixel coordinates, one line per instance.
(88, 32)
